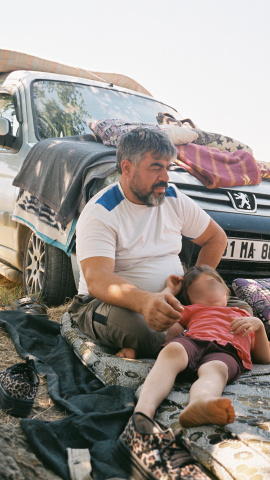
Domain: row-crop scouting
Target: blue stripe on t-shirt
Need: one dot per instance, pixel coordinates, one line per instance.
(170, 192)
(111, 198)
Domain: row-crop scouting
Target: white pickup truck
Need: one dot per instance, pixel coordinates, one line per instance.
(35, 106)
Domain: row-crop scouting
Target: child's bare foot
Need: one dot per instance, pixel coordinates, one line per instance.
(127, 353)
(217, 411)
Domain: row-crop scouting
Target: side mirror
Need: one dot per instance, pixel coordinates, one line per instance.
(4, 126)
(7, 140)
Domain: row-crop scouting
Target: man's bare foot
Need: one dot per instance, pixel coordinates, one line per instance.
(127, 353)
(217, 411)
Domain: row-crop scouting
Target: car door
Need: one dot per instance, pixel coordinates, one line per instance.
(7, 172)
(10, 162)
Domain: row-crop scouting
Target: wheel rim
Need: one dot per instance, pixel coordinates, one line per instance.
(35, 265)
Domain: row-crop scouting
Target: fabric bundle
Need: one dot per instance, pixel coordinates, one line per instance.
(215, 168)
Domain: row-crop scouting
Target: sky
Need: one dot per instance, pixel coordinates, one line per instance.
(209, 59)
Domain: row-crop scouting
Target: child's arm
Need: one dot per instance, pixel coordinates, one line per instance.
(173, 331)
(260, 347)
(173, 284)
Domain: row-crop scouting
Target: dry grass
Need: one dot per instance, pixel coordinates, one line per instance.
(9, 292)
(44, 407)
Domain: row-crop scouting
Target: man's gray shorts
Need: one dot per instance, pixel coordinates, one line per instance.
(118, 327)
(115, 327)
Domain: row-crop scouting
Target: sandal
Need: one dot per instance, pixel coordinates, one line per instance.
(29, 305)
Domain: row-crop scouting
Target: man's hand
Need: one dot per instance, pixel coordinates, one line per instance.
(161, 310)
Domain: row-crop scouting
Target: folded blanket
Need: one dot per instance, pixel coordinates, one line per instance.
(215, 168)
(265, 170)
(41, 219)
(66, 161)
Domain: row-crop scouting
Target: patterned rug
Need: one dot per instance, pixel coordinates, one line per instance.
(239, 451)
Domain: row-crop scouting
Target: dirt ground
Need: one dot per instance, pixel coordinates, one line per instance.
(43, 408)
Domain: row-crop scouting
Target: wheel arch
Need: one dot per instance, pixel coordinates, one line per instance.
(22, 234)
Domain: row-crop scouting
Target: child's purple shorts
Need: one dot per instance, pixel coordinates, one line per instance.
(204, 351)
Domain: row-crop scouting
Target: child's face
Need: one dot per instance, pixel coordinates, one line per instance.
(206, 290)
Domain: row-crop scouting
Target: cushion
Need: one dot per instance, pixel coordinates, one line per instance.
(110, 130)
(230, 144)
(257, 294)
(221, 142)
(180, 135)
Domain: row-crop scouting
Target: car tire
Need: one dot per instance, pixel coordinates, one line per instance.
(47, 271)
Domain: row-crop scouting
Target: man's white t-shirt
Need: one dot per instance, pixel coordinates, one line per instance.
(144, 241)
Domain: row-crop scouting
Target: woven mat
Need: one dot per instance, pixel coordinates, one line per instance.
(239, 451)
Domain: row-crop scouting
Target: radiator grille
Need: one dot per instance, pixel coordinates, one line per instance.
(218, 199)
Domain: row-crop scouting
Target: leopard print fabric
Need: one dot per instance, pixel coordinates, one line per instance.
(18, 385)
(154, 451)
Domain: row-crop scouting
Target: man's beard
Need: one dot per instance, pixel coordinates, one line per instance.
(152, 201)
(149, 199)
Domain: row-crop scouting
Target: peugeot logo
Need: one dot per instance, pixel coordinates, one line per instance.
(244, 202)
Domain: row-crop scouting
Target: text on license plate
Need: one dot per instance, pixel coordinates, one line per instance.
(248, 250)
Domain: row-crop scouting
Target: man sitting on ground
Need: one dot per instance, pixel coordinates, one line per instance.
(129, 237)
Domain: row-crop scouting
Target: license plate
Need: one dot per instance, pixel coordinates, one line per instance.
(247, 250)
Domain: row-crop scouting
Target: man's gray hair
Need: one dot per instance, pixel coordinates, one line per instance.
(136, 143)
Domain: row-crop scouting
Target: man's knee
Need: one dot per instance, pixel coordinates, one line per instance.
(81, 310)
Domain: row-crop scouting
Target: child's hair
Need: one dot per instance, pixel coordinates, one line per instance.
(193, 273)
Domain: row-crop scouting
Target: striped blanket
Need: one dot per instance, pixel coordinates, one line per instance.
(215, 168)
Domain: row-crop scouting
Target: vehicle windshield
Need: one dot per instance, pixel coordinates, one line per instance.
(63, 109)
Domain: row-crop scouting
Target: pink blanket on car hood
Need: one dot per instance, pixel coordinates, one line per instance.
(215, 168)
